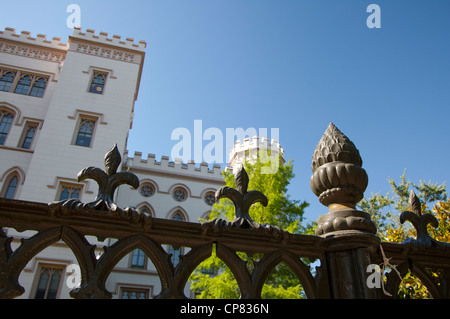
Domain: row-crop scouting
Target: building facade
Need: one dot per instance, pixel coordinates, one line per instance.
(62, 107)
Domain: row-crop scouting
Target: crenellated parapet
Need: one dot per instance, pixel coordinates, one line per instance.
(39, 47)
(40, 39)
(103, 46)
(103, 37)
(150, 164)
(248, 149)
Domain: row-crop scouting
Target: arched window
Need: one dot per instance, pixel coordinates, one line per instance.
(38, 88)
(31, 130)
(69, 192)
(145, 209)
(85, 132)
(175, 258)
(6, 81)
(24, 85)
(49, 283)
(10, 190)
(177, 216)
(6, 120)
(98, 83)
(138, 259)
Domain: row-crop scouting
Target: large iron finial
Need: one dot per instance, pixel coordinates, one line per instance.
(339, 181)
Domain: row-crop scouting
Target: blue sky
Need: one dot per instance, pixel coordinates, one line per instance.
(288, 64)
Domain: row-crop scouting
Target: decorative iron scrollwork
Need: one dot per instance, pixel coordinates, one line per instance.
(107, 181)
(420, 222)
(242, 200)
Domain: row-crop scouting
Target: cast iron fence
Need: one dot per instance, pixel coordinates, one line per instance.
(345, 240)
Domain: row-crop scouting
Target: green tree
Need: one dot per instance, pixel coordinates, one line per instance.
(385, 211)
(212, 279)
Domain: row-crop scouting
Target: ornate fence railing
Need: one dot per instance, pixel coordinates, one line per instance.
(345, 240)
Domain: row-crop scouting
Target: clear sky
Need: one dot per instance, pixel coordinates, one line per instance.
(295, 65)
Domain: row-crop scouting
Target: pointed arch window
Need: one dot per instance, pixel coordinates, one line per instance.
(38, 88)
(177, 216)
(29, 135)
(12, 187)
(98, 83)
(22, 82)
(138, 259)
(85, 132)
(69, 192)
(6, 81)
(24, 85)
(175, 258)
(49, 283)
(6, 120)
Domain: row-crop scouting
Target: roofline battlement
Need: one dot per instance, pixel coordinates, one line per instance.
(40, 39)
(166, 166)
(256, 143)
(102, 37)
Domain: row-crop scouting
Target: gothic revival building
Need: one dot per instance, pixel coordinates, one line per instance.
(62, 107)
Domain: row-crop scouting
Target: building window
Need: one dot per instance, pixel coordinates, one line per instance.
(6, 120)
(69, 192)
(24, 85)
(177, 216)
(175, 258)
(98, 83)
(38, 88)
(29, 135)
(49, 283)
(6, 80)
(138, 259)
(179, 194)
(85, 132)
(210, 198)
(133, 293)
(12, 186)
(147, 190)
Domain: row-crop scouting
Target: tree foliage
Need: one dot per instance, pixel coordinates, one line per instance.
(385, 211)
(212, 279)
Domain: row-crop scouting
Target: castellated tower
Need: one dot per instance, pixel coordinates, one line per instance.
(249, 150)
(78, 98)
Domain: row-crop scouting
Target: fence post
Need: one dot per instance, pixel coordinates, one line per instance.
(340, 181)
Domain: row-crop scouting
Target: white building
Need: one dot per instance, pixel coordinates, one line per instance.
(62, 107)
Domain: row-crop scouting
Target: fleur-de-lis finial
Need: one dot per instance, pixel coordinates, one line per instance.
(242, 199)
(419, 221)
(108, 180)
